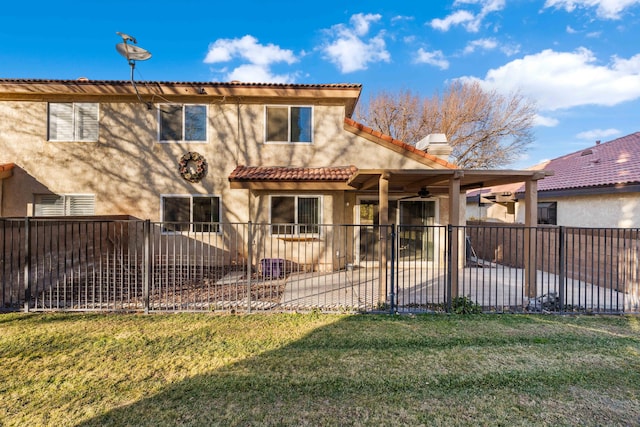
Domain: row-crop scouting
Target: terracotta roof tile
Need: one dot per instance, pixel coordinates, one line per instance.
(211, 84)
(609, 163)
(403, 145)
(280, 173)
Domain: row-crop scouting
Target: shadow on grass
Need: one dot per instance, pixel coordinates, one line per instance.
(353, 373)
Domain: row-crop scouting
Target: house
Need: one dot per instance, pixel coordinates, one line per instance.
(191, 155)
(598, 186)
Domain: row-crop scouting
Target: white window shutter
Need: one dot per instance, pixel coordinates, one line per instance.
(86, 123)
(80, 205)
(49, 205)
(61, 121)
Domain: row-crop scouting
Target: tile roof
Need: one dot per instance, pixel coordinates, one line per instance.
(386, 139)
(609, 163)
(6, 170)
(292, 174)
(85, 81)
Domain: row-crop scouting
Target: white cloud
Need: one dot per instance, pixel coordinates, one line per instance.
(595, 134)
(350, 51)
(455, 18)
(258, 73)
(247, 48)
(570, 30)
(484, 44)
(467, 19)
(259, 57)
(605, 9)
(435, 58)
(362, 22)
(545, 121)
(400, 18)
(557, 80)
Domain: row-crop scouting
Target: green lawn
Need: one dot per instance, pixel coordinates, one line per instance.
(288, 369)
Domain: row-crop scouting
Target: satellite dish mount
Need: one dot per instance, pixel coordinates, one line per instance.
(132, 54)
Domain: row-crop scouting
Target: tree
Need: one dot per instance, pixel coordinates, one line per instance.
(485, 128)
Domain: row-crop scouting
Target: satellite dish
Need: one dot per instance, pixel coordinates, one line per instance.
(132, 54)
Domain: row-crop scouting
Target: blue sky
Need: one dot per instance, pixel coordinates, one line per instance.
(579, 60)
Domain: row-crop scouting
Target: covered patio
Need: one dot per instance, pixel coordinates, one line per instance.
(454, 183)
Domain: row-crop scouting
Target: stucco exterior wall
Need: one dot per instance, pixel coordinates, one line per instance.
(128, 169)
(621, 210)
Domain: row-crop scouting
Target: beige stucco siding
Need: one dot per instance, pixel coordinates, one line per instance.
(604, 210)
(128, 169)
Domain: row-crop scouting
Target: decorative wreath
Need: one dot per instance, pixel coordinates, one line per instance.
(192, 166)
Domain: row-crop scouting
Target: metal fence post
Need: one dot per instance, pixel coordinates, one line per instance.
(448, 281)
(561, 267)
(249, 263)
(146, 230)
(27, 263)
(392, 295)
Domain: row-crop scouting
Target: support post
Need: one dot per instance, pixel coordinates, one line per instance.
(392, 294)
(383, 222)
(530, 223)
(454, 221)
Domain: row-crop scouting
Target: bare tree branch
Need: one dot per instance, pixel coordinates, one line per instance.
(486, 129)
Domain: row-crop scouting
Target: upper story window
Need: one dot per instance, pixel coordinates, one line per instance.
(191, 213)
(64, 204)
(73, 121)
(289, 124)
(182, 123)
(295, 214)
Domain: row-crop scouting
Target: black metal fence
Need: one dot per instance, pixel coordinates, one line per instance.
(134, 265)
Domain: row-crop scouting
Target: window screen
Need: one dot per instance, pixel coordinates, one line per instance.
(289, 124)
(179, 213)
(292, 214)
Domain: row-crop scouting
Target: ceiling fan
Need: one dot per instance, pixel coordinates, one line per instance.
(423, 193)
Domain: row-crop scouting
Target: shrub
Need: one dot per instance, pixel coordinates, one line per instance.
(465, 305)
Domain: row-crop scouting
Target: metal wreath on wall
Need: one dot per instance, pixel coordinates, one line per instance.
(193, 166)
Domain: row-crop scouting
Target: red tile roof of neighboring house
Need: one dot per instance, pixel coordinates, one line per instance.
(399, 144)
(278, 173)
(613, 162)
(609, 163)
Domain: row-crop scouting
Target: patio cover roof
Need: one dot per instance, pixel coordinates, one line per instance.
(438, 180)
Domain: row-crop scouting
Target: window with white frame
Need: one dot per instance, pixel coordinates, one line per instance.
(191, 213)
(73, 121)
(295, 214)
(182, 123)
(288, 124)
(64, 204)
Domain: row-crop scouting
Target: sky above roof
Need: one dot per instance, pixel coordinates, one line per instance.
(579, 60)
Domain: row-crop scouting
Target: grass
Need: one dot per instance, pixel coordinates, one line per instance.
(289, 369)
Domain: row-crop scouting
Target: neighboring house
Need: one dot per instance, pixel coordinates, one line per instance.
(285, 154)
(595, 187)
